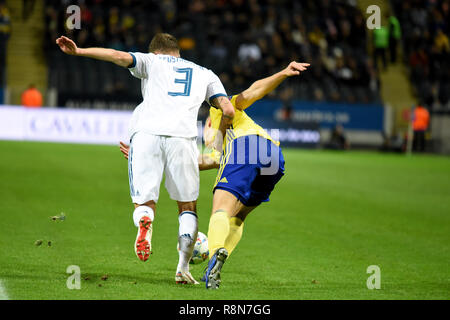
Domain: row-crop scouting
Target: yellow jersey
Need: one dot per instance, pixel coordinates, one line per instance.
(242, 124)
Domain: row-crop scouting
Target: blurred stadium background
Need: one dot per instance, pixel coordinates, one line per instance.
(362, 81)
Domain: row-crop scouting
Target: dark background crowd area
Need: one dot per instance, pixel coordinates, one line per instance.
(241, 41)
(425, 29)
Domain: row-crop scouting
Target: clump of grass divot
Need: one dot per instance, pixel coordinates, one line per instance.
(61, 217)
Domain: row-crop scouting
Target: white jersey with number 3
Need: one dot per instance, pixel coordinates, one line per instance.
(173, 90)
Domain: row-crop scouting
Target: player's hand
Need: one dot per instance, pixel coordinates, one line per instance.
(217, 143)
(295, 68)
(67, 45)
(209, 133)
(124, 148)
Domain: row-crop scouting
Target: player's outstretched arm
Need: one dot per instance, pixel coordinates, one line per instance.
(227, 108)
(263, 86)
(68, 46)
(227, 112)
(206, 162)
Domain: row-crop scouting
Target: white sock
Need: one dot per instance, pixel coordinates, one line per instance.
(187, 235)
(141, 211)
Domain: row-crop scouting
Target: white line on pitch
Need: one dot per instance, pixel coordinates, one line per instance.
(3, 295)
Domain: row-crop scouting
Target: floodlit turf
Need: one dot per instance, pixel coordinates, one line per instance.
(333, 215)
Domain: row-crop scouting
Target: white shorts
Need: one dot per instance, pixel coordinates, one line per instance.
(150, 156)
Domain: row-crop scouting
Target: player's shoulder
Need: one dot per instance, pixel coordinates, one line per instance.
(143, 54)
(233, 100)
(142, 57)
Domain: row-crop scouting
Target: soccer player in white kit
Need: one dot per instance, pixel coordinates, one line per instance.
(163, 131)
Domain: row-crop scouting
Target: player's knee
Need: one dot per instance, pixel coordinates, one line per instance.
(241, 215)
(228, 212)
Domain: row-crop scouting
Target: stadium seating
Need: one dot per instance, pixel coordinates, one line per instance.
(426, 46)
(240, 40)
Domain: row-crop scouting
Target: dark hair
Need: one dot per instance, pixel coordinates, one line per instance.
(164, 43)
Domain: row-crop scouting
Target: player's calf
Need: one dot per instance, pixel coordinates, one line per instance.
(187, 235)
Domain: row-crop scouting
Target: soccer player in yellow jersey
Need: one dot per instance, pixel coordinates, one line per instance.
(249, 167)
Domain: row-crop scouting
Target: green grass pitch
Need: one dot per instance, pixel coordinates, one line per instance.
(332, 215)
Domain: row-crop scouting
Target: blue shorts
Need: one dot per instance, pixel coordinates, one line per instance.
(250, 168)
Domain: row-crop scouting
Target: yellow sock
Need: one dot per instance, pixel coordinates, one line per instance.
(219, 226)
(235, 234)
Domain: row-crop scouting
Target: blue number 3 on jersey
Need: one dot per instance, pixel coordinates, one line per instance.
(186, 81)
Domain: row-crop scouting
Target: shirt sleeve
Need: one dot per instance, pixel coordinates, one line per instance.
(215, 88)
(141, 64)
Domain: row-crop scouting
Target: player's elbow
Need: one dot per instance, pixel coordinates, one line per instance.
(228, 110)
(225, 105)
(123, 59)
